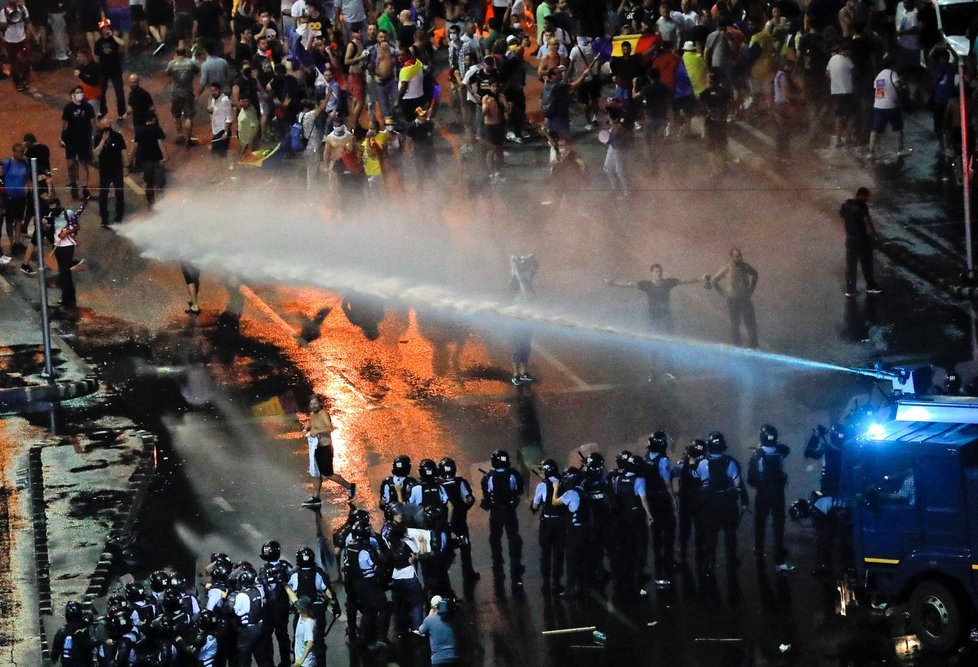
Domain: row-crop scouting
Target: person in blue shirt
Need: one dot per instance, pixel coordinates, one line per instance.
(16, 173)
(440, 633)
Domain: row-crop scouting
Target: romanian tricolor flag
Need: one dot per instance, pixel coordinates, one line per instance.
(640, 43)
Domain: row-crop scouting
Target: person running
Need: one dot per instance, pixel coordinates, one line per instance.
(319, 435)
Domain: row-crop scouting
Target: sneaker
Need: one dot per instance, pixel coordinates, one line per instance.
(524, 378)
(352, 491)
(662, 583)
(638, 126)
(851, 293)
(903, 152)
(517, 382)
(27, 270)
(5, 259)
(500, 178)
(510, 136)
(517, 140)
(159, 48)
(313, 500)
(74, 191)
(873, 290)
(784, 567)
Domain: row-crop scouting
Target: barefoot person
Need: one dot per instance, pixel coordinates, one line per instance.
(318, 433)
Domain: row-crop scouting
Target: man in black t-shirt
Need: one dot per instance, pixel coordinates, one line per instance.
(150, 154)
(207, 21)
(140, 104)
(657, 290)
(110, 147)
(77, 128)
(716, 103)
(422, 146)
(860, 234)
(108, 53)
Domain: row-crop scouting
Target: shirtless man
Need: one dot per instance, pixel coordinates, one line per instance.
(384, 76)
(340, 153)
(494, 108)
(319, 434)
(354, 60)
(551, 60)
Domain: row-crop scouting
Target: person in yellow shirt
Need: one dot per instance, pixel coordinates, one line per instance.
(763, 49)
(695, 66)
(374, 147)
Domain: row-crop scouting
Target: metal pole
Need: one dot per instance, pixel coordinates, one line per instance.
(41, 279)
(965, 165)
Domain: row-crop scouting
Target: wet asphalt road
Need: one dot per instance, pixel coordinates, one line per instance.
(219, 392)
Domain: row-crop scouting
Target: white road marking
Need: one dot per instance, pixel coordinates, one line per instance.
(251, 530)
(223, 504)
(266, 309)
(134, 186)
(560, 366)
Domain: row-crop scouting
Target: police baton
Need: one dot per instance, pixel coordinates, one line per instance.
(582, 457)
(536, 472)
(484, 472)
(330, 626)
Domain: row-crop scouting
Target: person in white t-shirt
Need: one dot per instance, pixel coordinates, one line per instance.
(305, 630)
(839, 70)
(886, 107)
(908, 31)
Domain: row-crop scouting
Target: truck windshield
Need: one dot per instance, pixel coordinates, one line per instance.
(890, 479)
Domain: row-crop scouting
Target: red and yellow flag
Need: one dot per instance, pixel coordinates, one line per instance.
(640, 43)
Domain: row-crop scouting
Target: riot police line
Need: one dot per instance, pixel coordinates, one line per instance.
(595, 528)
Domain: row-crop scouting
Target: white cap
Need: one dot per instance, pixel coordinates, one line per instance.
(689, 46)
(435, 601)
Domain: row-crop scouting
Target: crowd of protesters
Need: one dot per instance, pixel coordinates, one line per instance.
(345, 87)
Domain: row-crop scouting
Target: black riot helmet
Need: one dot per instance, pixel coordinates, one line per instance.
(622, 459)
(305, 558)
(135, 592)
(206, 621)
(74, 612)
(549, 468)
(634, 464)
(952, 384)
(247, 578)
(158, 581)
(837, 434)
(427, 470)
(658, 442)
(177, 583)
(715, 442)
(696, 448)
(116, 600)
(401, 466)
(220, 557)
(220, 573)
(768, 435)
(270, 551)
(393, 509)
(171, 599)
(594, 463)
(448, 467)
(361, 532)
(120, 622)
(499, 459)
(800, 509)
(570, 477)
(361, 516)
(434, 515)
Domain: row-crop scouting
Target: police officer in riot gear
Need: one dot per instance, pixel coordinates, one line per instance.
(658, 486)
(689, 501)
(119, 648)
(393, 516)
(178, 624)
(363, 571)
(571, 496)
(142, 611)
(219, 605)
(631, 506)
(273, 576)
(189, 603)
(310, 581)
(72, 643)
(724, 497)
(553, 526)
(502, 488)
(397, 486)
(159, 581)
(765, 472)
(248, 610)
(599, 521)
(428, 492)
(460, 500)
(205, 643)
(827, 446)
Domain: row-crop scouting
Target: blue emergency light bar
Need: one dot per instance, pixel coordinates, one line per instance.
(939, 409)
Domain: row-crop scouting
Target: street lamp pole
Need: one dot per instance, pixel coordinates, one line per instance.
(41, 278)
(965, 166)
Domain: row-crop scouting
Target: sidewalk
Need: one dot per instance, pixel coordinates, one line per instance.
(917, 203)
(22, 357)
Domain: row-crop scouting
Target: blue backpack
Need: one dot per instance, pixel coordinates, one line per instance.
(296, 139)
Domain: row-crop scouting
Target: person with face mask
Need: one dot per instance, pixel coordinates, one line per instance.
(77, 129)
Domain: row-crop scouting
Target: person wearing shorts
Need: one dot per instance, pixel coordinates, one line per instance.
(318, 434)
(886, 108)
(191, 276)
(78, 128)
(494, 119)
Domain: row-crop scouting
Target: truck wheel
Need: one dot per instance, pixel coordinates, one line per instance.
(935, 616)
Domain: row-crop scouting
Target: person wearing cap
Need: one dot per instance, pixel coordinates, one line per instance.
(440, 633)
(421, 146)
(305, 631)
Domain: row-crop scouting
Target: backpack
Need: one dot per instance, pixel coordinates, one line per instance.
(296, 138)
(766, 470)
